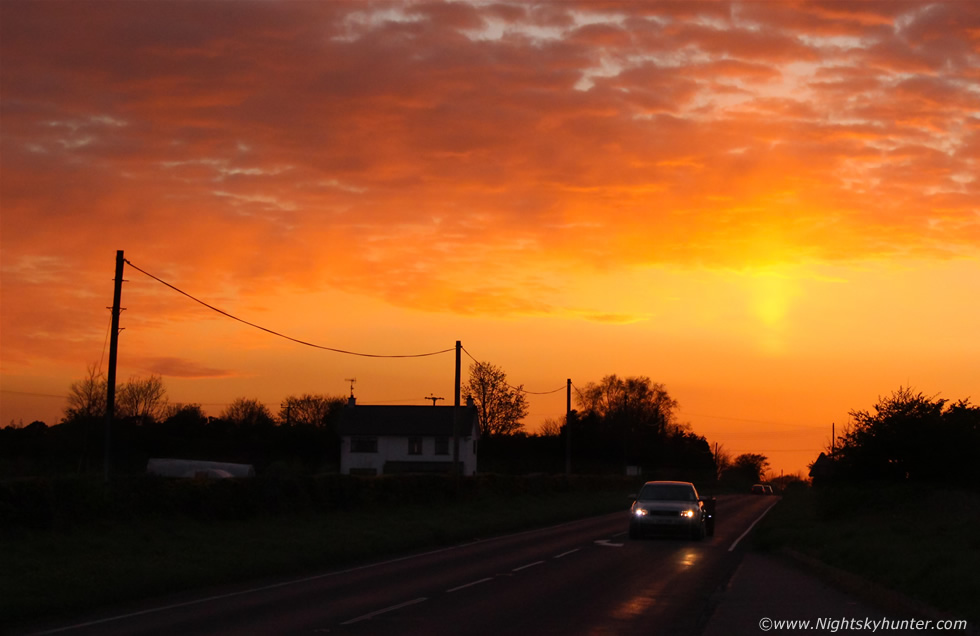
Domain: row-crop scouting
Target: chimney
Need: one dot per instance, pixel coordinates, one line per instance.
(469, 401)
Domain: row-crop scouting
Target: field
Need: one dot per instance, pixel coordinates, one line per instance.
(918, 540)
(72, 567)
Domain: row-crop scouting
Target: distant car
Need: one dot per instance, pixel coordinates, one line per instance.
(670, 507)
(768, 489)
(758, 489)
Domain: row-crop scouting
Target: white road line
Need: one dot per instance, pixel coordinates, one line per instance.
(305, 579)
(749, 529)
(529, 565)
(463, 587)
(564, 554)
(385, 610)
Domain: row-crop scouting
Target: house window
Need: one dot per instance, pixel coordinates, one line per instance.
(364, 445)
(414, 445)
(442, 446)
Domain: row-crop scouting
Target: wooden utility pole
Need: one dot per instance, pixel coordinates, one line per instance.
(110, 400)
(568, 427)
(456, 469)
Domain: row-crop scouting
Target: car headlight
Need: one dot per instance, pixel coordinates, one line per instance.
(687, 513)
(640, 512)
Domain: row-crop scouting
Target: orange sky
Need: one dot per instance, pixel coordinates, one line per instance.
(772, 208)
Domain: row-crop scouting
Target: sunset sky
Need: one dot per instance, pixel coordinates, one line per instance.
(773, 208)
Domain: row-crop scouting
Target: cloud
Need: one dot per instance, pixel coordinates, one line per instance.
(180, 368)
(406, 150)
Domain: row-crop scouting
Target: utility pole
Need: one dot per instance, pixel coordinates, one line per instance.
(110, 400)
(568, 427)
(433, 398)
(456, 470)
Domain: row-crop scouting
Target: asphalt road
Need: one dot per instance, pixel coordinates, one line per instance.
(583, 577)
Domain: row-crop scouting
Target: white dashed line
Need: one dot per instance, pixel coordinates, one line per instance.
(463, 587)
(383, 611)
(529, 565)
(564, 554)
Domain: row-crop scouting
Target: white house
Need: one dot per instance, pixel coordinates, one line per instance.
(386, 440)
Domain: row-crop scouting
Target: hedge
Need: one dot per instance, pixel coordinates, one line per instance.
(52, 502)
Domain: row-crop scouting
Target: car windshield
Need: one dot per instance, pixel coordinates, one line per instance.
(667, 492)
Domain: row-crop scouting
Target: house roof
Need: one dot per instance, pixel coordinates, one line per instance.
(405, 421)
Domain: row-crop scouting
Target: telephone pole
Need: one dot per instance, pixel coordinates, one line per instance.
(110, 400)
(568, 427)
(456, 470)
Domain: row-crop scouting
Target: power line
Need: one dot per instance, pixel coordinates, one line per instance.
(105, 343)
(561, 388)
(276, 333)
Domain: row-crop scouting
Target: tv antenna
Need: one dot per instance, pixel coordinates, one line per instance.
(434, 398)
(352, 382)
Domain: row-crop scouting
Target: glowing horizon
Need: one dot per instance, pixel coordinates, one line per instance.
(771, 209)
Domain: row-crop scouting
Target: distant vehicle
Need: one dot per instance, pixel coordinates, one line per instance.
(671, 507)
(768, 489)
(758, 489)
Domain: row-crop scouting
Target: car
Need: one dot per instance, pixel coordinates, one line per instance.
(672, 507)
(758, 489)
(768, 489)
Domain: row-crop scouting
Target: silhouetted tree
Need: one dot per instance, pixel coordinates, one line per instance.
(86, 397)
(309, 410)
(501, 407)
(247, 413)
(84, 416)
(909, 436)
(723, 459)
(552, 426)
(747, 469)
(625, 421)
(142, 399)
(632, 404)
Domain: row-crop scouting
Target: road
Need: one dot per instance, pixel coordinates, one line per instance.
(583, 577)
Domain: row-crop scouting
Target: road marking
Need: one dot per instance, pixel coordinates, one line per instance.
(564, 554)
(463, 587)
(749, 529)
(608, 543)
(529, 565)
(299, 581)
(367, 617)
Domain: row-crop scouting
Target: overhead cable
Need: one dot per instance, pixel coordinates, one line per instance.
(517, 388)
(276, 333)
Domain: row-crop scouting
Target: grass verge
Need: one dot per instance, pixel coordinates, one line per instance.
(52, 573)
(917, 540)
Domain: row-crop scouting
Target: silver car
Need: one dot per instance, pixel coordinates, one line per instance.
(668, 507)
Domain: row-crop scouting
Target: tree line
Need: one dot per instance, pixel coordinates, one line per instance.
(619, 422)
(906, 437)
